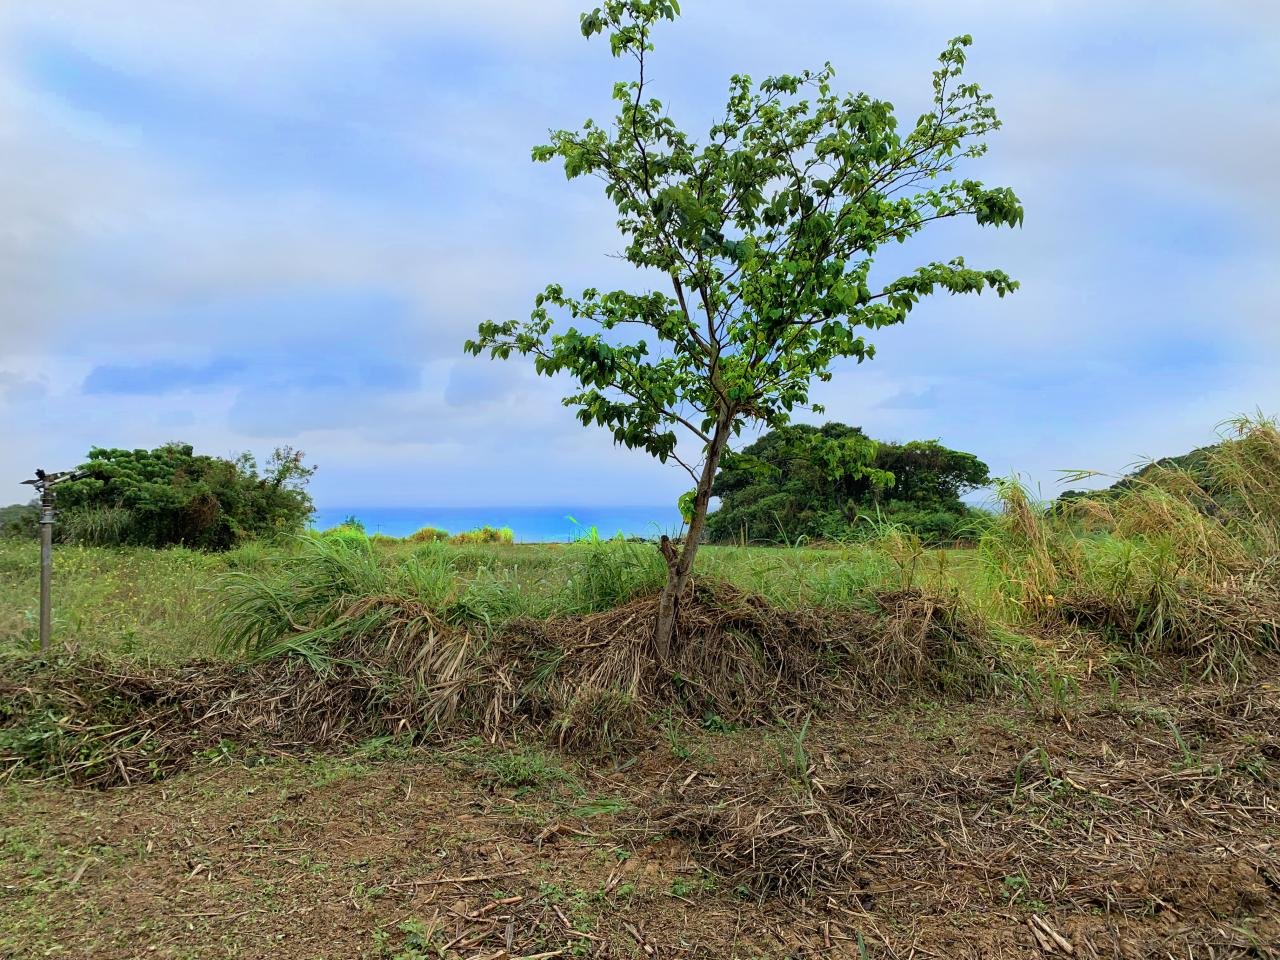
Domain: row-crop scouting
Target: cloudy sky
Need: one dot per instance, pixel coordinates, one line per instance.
(275, 221)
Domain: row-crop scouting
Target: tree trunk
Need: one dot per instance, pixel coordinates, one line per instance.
(680, 558)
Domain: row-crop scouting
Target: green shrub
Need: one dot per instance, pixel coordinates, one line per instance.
(171, 496)
(503, 535)
(428, 535)
(346, 533)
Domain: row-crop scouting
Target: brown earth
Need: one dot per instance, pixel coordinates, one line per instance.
(1141, 821)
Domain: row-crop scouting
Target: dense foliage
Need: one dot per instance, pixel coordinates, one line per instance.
(764, 233)
(20, 520)
(172, 496)
(818, 483)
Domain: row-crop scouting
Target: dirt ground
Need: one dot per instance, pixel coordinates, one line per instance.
(1134, 821)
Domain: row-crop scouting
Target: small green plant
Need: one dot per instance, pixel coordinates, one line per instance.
(676, 734)
(1038, 756)
(714, 723)
(582, 906)
(794, 755)
(700, 884)
(417, 942)
(1189, 757)
(1255, 766)
(523, 770)
(1016, 889)
(1113, 687)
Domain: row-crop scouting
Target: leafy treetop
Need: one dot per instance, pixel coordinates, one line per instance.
(767, 232)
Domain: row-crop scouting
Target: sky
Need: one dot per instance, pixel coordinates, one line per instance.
(261, 222)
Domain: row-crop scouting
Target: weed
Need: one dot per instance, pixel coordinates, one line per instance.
(1017, 890)
(521, 770)
(417, 941)
(700, 884)
(794, 756)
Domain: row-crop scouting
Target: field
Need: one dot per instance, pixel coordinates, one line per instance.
(1062, 741)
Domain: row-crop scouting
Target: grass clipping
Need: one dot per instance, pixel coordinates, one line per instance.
(385, 665)
(596, 679)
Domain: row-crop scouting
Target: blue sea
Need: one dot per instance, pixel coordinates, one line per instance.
(530, 524)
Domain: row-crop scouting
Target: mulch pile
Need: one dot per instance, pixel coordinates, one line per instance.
(584, 682)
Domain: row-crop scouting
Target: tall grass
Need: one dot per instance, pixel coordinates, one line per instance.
(1177, 560)
(135, 602)
(96, 526)
(333, 592)
(1023, 554)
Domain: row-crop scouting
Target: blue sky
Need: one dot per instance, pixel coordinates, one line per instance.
(275, 221)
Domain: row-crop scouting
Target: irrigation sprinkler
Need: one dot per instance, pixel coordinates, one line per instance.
(44, 484)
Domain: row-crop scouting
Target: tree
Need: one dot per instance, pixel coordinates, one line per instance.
(173, 496)
(764, 235)
(800, 481)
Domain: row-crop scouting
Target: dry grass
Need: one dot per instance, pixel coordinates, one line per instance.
(1142, 823)
(390, 666)
(1177, 562)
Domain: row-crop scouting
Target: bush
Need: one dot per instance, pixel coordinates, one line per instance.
(428, 535)
(346, 533)
(171, 496)
(937, 526)
(503, 535)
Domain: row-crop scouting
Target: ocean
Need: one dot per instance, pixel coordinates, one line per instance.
(530, 524)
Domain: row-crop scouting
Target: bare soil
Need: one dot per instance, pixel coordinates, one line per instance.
(1140, 820)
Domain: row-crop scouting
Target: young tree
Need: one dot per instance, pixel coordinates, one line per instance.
(764, 235)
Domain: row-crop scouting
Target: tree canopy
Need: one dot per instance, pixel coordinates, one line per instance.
(172, 496)
(760, 238)
(800, 481)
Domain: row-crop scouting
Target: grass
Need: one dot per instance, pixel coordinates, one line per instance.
(130, 602)
(158, 605)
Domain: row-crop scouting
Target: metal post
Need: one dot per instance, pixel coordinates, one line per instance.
(43, 483)
(46, 564)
